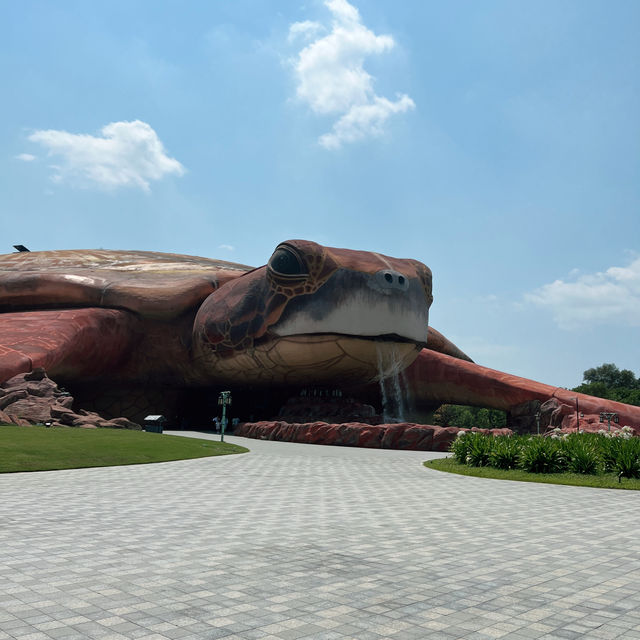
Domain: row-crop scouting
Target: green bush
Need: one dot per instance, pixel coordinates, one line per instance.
(505, 453)
(472, 448)
(582, 453)
(627, 462)
(543, 455)
(460, 447)
(608, 450)
(479, 449)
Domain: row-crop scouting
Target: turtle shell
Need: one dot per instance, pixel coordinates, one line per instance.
(153, 284)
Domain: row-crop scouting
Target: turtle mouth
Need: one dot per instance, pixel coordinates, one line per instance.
(318, 358)
(338, 358)
(392, 337)
(385, 337)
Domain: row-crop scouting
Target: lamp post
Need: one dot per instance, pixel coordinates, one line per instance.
(224, 399)
(538, 422)
(608, 416)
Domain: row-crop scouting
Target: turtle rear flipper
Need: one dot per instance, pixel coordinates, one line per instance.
(65, 342)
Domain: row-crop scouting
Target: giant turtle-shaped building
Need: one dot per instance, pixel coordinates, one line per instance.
(133, 332)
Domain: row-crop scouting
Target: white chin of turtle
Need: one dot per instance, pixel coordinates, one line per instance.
(353, 319)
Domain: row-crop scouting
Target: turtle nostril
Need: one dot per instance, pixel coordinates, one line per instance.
(388, 281)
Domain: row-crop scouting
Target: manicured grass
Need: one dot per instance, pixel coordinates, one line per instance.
(603, 481)
(42, 449)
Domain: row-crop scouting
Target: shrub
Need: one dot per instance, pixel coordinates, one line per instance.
(581, 453)
(460, 447)
(584, 453)
(505, 453)
(609, 450)
(479, 449)
(627, 462)
(543, 455)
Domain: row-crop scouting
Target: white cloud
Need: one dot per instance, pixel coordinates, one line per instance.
(364, 120)
(25, 157)
(226, 247)
(127, 154)
(305, 30)
(332, 79)
(609, 297)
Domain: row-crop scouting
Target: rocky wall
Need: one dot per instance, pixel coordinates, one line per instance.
(405, 435)
(33, 398)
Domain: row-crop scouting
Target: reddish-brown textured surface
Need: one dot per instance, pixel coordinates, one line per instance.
(437, 342)
(591, 408)
(234, 307)
(147, 282)
(405, 435)
(257, 317)
(249, 331)
(83, 342)
(437, 379)
(32, 398)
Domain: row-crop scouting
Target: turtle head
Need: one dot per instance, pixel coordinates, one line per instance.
(316, 314)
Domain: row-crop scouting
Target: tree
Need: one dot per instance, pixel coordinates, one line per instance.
(611, 376)
(446, 415)
(455, 415)
(597, 389)
(607, 381)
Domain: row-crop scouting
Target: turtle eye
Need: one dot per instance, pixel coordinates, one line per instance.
(285, 262)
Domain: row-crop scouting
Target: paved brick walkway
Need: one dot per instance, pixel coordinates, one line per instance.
(300, 541)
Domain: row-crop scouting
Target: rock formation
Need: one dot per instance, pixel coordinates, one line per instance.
(33, 398)
(405, 435)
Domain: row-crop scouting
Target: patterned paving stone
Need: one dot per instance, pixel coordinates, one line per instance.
(317, 543)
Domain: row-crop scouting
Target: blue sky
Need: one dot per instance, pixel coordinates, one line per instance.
(498, 142)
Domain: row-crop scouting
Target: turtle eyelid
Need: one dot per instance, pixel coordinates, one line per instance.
(286, 262)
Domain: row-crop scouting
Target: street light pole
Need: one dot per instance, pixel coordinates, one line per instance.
(224, 399)
(608, 416)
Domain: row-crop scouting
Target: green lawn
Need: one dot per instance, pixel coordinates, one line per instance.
(602, 481)
(42, 449)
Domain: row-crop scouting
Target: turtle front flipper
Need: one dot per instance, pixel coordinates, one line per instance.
(435, 378)
(67, 342)
(437, 342)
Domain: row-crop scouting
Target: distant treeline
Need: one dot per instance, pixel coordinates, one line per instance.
(607, 381)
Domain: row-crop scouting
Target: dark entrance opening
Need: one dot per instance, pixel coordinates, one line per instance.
(198, 407)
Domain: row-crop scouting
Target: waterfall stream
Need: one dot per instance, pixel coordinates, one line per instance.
(392, 387)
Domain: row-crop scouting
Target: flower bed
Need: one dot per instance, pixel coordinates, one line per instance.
(616, 452)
